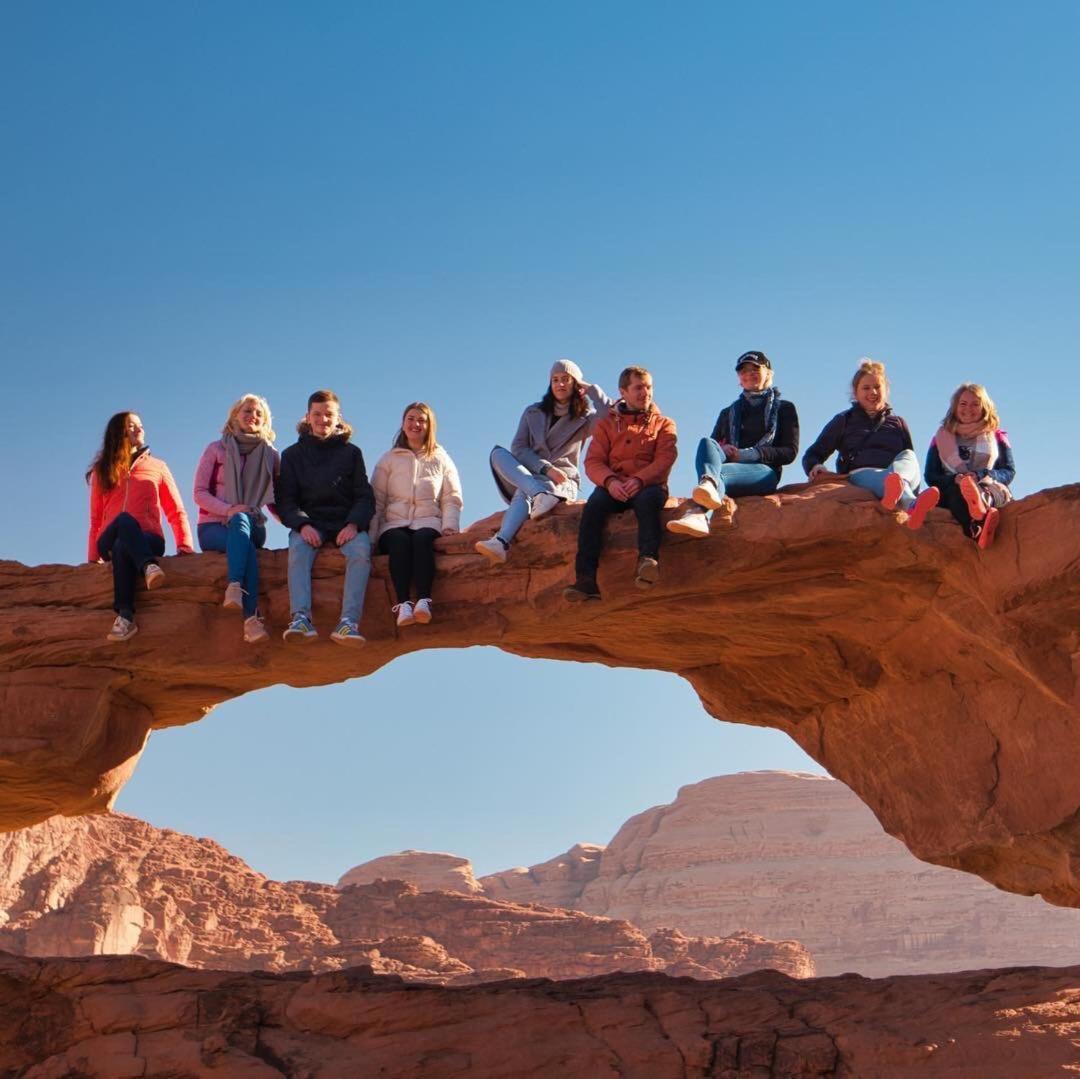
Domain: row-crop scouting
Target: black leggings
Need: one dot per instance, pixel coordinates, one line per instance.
(412, 558)
(952, 498)
(129, 549)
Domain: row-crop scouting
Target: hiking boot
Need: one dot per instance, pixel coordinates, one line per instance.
(584, 588)
(543, 503)
(422, 611)
(234, 596)
(705, 494)
(923, 505)
(972, 492)
(648, 572)
(300, 629)
(492, 549)
(154, 574)
(894, 489)
(347, 633)
(122, 629)
(405, 614)
(989, 528)
(255, 630)
(694, 524)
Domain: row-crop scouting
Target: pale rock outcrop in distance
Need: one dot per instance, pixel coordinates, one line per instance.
(787, 854)
(430, 871)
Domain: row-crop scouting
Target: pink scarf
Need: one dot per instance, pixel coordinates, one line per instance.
(979, 442)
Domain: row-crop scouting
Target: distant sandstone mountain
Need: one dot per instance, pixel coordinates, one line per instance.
(116, 885)
(787, 854)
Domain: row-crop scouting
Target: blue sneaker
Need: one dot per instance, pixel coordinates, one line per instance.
(300, 629)
(347, 633)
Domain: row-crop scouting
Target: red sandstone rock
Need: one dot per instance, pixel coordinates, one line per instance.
(429, 871)
(114, 884)
(787, 855)
(938, 682)
(114, 1017)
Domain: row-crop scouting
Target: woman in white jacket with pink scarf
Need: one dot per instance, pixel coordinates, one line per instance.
(417, 499)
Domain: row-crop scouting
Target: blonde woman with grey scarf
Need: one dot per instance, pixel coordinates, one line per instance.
(233, 484)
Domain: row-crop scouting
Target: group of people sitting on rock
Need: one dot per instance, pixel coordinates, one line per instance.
(319, 489)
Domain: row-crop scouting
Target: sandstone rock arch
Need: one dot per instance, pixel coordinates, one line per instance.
(938, 683)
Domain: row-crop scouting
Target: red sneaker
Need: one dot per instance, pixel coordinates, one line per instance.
(894, 488)
(989, 527)
(969, 488)
(923, 505)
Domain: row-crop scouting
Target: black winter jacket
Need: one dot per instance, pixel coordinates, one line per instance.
(784, 447)
(861, 441)
(323, 483)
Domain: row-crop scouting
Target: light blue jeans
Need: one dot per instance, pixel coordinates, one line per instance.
(238, 539)
(733, 478)
(357, 554)
(528, 485)
(906, 465)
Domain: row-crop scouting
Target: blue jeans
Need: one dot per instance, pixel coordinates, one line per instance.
(906, 464)
(733, 478)
(357, 554)
(239, 539)
(528, 485)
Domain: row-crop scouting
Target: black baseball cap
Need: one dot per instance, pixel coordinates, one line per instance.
(759, 359)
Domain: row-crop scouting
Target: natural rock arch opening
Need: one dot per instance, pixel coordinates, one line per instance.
(937, 683)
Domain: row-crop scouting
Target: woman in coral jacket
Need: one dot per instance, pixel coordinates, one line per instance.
(971, 461)
(234, 481)
(417, 499)
(129, 490)
(873, 448)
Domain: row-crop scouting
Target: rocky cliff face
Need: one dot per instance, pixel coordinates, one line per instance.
(937, 682)
(790, 855)
(114, 1017)
(114, 884)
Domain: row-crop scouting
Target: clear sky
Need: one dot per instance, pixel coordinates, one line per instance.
(435, 201)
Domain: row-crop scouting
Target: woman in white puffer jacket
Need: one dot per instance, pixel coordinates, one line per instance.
(417, 499)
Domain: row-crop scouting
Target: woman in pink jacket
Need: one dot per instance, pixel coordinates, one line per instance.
(129, 490)
(234, 481)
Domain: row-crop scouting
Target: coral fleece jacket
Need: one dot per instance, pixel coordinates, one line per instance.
(640, 444)
(146, 491)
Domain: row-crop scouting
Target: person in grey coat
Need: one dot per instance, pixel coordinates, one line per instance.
(540, 469)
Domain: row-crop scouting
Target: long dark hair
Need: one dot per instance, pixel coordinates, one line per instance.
(114, 457)
(579, 404)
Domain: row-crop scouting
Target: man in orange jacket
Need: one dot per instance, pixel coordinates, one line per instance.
(629, 459)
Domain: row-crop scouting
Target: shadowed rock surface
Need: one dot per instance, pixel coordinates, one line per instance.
(938, 683)
(114, 884)
(129, 1017)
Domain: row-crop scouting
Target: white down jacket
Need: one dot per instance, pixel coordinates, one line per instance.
(412, 491)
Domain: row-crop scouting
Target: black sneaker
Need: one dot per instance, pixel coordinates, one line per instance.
(581, 590)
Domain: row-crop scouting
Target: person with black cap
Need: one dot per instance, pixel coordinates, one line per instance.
(540, 469)
(752, 440)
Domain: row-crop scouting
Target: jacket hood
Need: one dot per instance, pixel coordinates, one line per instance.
(343, 431)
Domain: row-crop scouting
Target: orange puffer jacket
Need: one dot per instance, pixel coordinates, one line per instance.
(146, 491)
(641, 444)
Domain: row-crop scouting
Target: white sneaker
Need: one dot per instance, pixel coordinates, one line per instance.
(234, 596)
(422, 611)
(493, 549)
(705, 494)
(254, 630)
(404, 612)
(690, 524)
(543, 503)
(122, 629)
(154, 574)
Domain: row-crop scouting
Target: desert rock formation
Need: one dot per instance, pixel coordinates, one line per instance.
(939, 683)
(114, 884)
(127, 1017)
(784, 855)
(430, 871)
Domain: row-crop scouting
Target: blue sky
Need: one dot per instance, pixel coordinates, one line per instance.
(435, 201)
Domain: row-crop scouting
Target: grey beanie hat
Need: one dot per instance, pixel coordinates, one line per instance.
(567, 367)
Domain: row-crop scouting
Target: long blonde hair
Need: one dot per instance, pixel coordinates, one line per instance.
(869, 367)
(265, 431)
(401, 442)
(990, 419)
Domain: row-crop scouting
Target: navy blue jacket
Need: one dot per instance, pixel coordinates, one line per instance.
(323, 482)
(1004, 471)
(859, 441)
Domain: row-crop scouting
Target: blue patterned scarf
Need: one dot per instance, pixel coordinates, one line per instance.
(771, 402)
